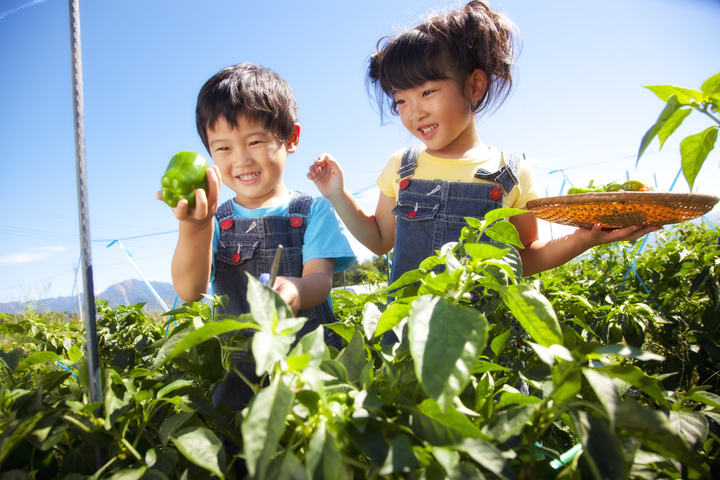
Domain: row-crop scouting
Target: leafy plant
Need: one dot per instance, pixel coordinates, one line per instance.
(488, 380)
(694, 149)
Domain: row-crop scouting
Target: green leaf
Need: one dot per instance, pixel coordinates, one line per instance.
(629, 352)
(510, 398)
(264, 425)
(692, 426)
(266, 305)
(672, 106)
(407, 278)
(534, 313)
(438, 427)
(500, 213)
(393, 315)
(504, 232)
(445, 341)
(602, 449)
(345, 331)
(485, 251)
(322, 459)
(269, 348)
(712, 85)
(173, 423)
(172, 386)
(694, 150)
(353, 357)
(672, 123)
(685, 96)
(637, 378)
(487, 455)
(202, 447)
(653, 429)
(37, 357)
(311, 345)
(498, 343)
(508, 423)
(12, 359)
(604, 388)
(370, 318)
(207, 331)
(400, 457)
(129, 473)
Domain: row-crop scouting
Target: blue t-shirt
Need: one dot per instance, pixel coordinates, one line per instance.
(325, 235)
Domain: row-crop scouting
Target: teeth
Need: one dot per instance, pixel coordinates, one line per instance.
(429, 129)
(248, 176)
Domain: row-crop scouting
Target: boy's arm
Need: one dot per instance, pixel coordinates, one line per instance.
(192, 260)
(540, 255)
(311, 289)
(376, 232)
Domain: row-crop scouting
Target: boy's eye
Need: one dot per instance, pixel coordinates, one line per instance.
(254, 142)
(427, 92)
(399, 102)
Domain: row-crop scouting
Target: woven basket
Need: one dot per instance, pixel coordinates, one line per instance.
(621, 209)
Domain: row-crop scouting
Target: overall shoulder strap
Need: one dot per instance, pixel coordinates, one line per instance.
(409, 161)
(225, 210)
(300, 204)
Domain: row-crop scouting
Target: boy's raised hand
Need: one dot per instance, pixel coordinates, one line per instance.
(327, 175)
(205, 203)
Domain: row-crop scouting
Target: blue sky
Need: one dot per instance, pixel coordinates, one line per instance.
(578, 105)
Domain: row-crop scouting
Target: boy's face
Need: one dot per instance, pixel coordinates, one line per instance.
(251, 160)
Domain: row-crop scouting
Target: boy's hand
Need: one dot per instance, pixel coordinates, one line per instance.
(327, 175)
(205, 204)
(598, 236)
(288, 291)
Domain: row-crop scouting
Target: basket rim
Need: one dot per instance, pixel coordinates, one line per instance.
(657, 198)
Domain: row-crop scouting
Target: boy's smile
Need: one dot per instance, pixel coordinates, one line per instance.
(251, 160)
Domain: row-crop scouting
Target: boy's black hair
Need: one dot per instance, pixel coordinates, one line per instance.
(447, 46)
(250, 90)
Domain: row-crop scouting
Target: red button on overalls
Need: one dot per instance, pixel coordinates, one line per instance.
(236, 258)
(296, 221)
(412, 214)
(496, 193)
(225, 224)
(404, 183)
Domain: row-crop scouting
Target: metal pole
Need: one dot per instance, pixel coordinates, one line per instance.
(83, 217)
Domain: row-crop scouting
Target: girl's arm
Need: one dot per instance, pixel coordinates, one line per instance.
(192, 260)
(376, 232)
(310, 290)
(540, 255)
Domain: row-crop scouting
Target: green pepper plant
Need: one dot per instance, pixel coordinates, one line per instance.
(446, 401)
(680, 102)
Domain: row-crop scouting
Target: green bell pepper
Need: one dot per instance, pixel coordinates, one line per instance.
(589, 189)
(184, 174)
(207, 359)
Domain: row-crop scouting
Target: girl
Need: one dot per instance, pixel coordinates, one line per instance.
(437, 77)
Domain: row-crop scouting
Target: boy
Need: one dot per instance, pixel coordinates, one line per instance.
(246, 116)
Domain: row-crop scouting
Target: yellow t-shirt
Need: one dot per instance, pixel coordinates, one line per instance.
(460, 170)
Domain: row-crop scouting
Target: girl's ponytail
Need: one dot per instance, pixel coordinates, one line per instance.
(448, 45)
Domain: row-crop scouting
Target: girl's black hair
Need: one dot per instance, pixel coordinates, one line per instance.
(448, 46)
(250, 90)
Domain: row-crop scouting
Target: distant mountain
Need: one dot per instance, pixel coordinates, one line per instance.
(128, 292)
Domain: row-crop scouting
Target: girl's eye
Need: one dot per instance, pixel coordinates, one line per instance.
(254, 142)
(427, 92)
(399, 102)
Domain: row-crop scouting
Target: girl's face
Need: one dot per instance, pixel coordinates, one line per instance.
(439, 113)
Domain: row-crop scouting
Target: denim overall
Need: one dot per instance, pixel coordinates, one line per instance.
(249, 245)
(431, 213)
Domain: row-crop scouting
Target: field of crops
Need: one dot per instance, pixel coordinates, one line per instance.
(604, 368)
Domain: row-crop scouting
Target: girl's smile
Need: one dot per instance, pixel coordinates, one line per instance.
(439, 114)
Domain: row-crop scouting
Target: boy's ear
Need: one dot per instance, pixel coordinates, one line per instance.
(477, 85)
(292, 142)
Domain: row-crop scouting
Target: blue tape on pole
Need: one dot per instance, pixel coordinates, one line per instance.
(129, 257)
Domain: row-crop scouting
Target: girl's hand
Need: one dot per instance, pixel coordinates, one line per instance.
(205, 204)
(598, 236)
(327, 175)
